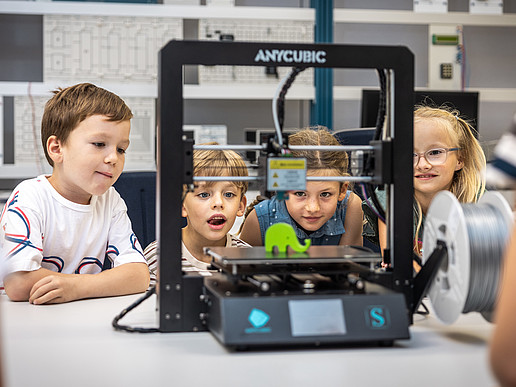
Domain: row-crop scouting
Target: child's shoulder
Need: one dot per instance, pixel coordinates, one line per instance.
(30, 196)
(37, 192)
(113, 195)
(350, 197)
(354, 203)
(353, 197)
(30, 189)
(34, 182)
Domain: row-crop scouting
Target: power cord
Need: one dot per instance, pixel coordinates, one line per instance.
(128, 328)
(425, 311)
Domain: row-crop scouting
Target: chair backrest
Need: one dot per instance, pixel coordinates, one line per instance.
(360, 136)
(138, 189)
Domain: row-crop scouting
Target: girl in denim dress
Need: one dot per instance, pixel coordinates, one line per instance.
(325, 212)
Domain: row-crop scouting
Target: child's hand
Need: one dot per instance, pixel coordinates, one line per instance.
(53, 289)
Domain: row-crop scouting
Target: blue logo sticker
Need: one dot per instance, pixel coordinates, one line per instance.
(377, 317)
(258, 319)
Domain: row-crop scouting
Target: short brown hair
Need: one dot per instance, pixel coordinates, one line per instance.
(72, 105)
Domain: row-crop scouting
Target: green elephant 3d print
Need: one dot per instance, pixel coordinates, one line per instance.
(282, 235)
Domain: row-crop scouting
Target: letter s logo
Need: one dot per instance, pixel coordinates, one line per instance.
(377, 319)
(377, 316)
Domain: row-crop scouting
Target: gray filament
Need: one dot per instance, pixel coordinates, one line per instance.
(487, 233)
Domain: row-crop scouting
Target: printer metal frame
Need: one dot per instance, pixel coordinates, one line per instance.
(180, 295)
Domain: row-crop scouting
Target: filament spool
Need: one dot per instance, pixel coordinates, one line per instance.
(475, 236)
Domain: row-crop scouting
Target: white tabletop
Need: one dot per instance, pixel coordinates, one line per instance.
(74, 345)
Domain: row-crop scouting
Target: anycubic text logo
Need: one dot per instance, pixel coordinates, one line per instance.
(377, 317)
(258, 319)
(291, 56)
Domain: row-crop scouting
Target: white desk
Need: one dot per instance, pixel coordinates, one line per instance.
(74, 345)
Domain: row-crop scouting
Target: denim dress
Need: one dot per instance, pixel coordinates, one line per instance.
(273, 211)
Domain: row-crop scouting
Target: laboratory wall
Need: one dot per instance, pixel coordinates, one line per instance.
(40, 48)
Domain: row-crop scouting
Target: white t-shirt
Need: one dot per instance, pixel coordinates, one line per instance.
(41, 229)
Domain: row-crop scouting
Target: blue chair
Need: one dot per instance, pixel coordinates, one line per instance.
(138, 189)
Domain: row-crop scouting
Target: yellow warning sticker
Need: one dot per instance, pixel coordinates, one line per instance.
(284, 174)
(287, 164)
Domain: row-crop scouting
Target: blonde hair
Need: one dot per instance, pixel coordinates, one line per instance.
(220, 163)
(468, 183)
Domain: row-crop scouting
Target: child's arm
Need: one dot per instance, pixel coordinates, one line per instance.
(17, 285)
(251, 230)
(44, 286)
(353, 222)
(503, 345)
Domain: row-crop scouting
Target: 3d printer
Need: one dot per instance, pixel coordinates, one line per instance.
(348, 302)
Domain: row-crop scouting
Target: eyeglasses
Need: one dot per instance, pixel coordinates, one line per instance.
(435, 156)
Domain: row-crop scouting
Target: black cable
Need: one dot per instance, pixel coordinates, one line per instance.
(371, 194)
(128, 328)
(380, 119)
(424, 312)
(280, 103)
(417, 259)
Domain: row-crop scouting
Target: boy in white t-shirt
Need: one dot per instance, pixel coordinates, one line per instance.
(60, 233)
(211, 210)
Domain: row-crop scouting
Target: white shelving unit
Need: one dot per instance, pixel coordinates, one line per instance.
(342, 15)
(240, 91)
(408, 17)
(156, 10)
(243, 91)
